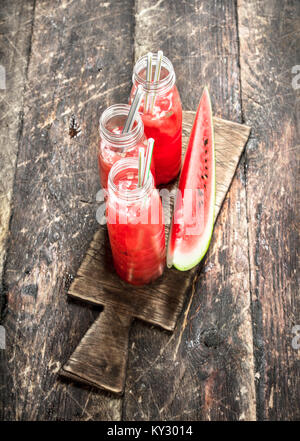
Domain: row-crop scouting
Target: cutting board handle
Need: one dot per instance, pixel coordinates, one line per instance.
(101, 356)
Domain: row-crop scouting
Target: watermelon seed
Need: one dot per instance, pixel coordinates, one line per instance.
(206, 176)
(205, 141)
(205, 151)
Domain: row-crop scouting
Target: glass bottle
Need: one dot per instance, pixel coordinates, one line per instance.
(115, 145)
(135, 224)
(161, 113)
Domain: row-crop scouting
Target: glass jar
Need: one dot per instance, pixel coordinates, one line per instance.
(115, 145)
(135, 224)
(162, 117)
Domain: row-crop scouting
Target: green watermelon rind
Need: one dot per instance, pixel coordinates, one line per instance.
(204, 242)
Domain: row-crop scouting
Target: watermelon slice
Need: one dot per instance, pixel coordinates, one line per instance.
(193, 218)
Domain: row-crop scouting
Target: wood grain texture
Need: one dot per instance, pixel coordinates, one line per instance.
(16, 19)
(16, 24)
(101, 357)
(204, 371)
(270, 47)
(71, 70)
(159, 303)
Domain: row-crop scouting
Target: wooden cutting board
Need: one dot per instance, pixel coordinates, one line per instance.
(100, 358)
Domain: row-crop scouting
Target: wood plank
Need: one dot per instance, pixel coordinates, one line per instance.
(101, 357)
(270, 47)
(16, 19)
(72, 70)
(205, 369)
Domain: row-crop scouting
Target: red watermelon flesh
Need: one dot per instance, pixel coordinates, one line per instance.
(193, 217)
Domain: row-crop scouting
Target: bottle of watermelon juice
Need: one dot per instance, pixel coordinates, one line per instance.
(135, 224)
(162, 116)
(115, 145)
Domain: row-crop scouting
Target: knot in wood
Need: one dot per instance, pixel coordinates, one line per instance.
(211, 338)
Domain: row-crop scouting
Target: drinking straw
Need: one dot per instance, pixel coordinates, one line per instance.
(157, 73)
(148, 77)
(141, 166)
(133, 109)
(148, 160)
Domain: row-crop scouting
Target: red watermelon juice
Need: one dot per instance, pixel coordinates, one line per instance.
(135, 224)
(161, 113)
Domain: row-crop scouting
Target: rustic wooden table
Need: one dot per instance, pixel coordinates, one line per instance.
(233, 355)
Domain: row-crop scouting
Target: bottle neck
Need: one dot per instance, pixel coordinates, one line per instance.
(167, 75)
(112, 122)
(126, 170)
